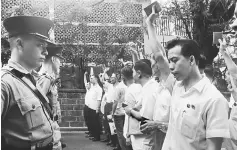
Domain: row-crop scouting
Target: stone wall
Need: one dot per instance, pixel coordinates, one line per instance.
(72, 103)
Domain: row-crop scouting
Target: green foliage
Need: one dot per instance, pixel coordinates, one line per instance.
(205, 17)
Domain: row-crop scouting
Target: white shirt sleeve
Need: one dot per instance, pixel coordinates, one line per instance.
(217, 118)
(233, 124)
(99, 94)
(148, 105)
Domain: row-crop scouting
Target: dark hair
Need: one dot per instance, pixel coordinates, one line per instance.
(202, 62)
(127, 72)
(188, 47)
(143, 67)
(147, 61)
(209, 71)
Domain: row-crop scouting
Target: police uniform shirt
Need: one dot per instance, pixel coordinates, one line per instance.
(24, 119)
(196, 115)
(45, 81)
(50, 89)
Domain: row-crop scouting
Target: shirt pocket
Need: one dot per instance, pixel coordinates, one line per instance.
(31, 110)
(189, 126)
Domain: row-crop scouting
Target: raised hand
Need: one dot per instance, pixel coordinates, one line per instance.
(152, 17)
(223, 45)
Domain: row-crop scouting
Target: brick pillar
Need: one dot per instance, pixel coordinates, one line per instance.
(72, 103)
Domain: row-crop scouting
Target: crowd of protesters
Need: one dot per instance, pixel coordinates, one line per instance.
(165, 102)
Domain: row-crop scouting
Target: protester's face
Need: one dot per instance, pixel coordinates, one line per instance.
(118, 76)
(112, 80)
(136, 77)
(33, 51)
(179, 65)
(93, 79)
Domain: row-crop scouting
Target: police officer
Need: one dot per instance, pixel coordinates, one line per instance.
(48, 81)
(49, 76)
(26, 119)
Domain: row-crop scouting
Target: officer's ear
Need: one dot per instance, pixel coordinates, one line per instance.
(17, 42)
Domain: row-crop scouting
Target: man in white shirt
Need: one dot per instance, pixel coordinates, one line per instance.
(93, 98)
(119, 114)
(132, 96)
(86, 108)
(108, 107)
(144, 110)
(231, 77)
(199, 112)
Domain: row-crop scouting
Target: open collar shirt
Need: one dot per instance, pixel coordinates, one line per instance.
(196, 115)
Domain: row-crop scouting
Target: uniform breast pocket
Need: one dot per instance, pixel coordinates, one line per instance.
(189, 126)
(32, 112)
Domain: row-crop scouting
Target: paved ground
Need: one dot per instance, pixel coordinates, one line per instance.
(77, 141)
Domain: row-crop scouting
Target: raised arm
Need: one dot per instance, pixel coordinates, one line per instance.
(132, 49)
(85, 81)
(232, 67)
(158, 50)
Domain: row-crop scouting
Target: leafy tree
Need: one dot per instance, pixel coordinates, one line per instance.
(204, 17)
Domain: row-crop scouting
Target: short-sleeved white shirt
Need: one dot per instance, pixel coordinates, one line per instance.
(111, 93)
(196, 115)
(233, 125)
(132, 96)
(87, 96)
(94, 94)
(162, 106)
(148, 99)
(119, 97)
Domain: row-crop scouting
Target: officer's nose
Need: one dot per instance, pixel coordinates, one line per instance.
(45, 51)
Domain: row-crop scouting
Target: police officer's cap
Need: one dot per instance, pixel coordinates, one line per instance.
(37, 26)
(55, 50)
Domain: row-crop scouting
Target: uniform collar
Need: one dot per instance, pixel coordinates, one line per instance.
(15, 65)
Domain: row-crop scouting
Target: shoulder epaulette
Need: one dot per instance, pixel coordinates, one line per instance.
(46, 76)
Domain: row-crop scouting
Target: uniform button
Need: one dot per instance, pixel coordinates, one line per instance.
(188, 105)
(235, 104)
(33, 106)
